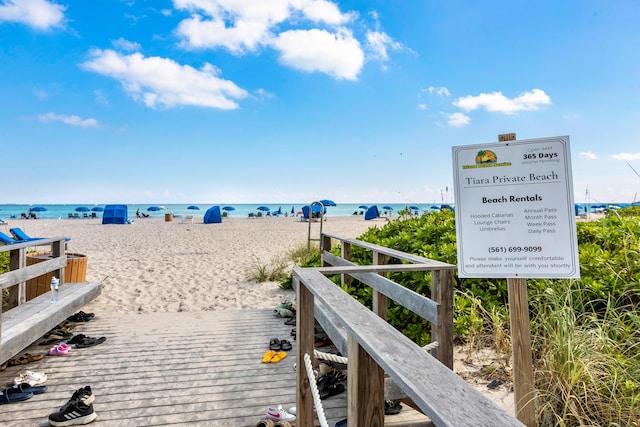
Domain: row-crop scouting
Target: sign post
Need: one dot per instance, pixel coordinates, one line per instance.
(515, 219)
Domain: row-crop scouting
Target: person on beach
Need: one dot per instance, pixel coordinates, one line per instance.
(138, 213)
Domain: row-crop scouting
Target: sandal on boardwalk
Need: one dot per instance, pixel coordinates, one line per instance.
(24, 359)
(392, 407)
(278, 357)
(265, 423)
(13, 394)
(90, 342)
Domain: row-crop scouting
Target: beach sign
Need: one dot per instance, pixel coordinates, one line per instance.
(515, 210)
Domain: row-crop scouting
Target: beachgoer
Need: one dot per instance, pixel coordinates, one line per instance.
(138, 213)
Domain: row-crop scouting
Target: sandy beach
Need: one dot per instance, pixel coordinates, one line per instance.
(158, 266)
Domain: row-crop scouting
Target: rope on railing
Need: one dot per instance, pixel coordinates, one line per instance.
(317, 402)
(314, 391)
(431, 346)
(328, 356)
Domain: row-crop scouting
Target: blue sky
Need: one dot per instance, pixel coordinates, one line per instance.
(249, 101)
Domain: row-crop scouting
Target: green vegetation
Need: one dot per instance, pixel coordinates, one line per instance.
(586, 333)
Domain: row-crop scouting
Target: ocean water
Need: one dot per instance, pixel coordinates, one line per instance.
(9, 211)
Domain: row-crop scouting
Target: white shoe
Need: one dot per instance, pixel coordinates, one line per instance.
(279, 414)
(31, 378)
(292, 410)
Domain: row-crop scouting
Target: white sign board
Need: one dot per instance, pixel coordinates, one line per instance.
(515, 214)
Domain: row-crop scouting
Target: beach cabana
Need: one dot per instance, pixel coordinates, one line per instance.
(115, 214)
(212, 216)
(372, 213)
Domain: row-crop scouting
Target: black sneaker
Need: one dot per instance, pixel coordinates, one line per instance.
(75, 413)
(83, 395)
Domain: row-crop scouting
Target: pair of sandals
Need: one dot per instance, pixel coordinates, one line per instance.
(20, 392)
(277, 344)
(83, 341)
(329, 385)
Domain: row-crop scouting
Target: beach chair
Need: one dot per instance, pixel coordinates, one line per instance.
(21, 236)
(6, 240)
(187, 218)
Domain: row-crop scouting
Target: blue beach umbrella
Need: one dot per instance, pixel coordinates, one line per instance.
(263, 208)
(153, 208)
(414, 207)
(82, 209)
(194, 207)
(38, 209)
(327, 202)
(97, 209)
(228, 208)
(387, 207)
(365, 207)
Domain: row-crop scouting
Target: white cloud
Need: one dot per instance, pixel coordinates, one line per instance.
(160, 81)
(458, 119)
(441, 91)
(336, 54)
(70, 120)
(626, 156)
(423, 106)
(39, 14)
(126, 45)
(588, 155)
(496, 101)
(378, 43)
(245, 25)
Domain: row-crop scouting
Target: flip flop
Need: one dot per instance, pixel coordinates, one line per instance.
(26, 388)
(266, 358)
(90, 342)
(278, 357)
(285, 345)
(274, 344)
(291, 321)
(12, 394)
(265, 423)
(31, 378)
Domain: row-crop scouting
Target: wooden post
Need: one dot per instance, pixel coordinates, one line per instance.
(346, 254)
(379, 303)
(365, 388)
(305, 328)
(325, 245)
(523, 382)
(442, 331)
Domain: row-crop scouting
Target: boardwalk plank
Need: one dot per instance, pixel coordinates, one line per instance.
(193, 369)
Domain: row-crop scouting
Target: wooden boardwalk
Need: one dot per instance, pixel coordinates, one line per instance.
(189, 368)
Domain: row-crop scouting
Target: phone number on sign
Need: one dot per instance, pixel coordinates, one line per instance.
(516, 249)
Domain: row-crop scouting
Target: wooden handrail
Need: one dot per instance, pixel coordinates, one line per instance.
(376, 347)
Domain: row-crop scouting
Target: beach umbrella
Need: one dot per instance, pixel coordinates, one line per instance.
(82, 209)
(365, 207)
(153, 208)
(414, 207)
(327, 202)
(387, 207)
(98, 209)
(263, 208)
(229, 208)
(38, 209)
(194, 207)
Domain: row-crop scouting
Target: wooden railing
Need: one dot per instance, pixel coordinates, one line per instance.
(19, 272)
(375, 348)
(26, 321)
